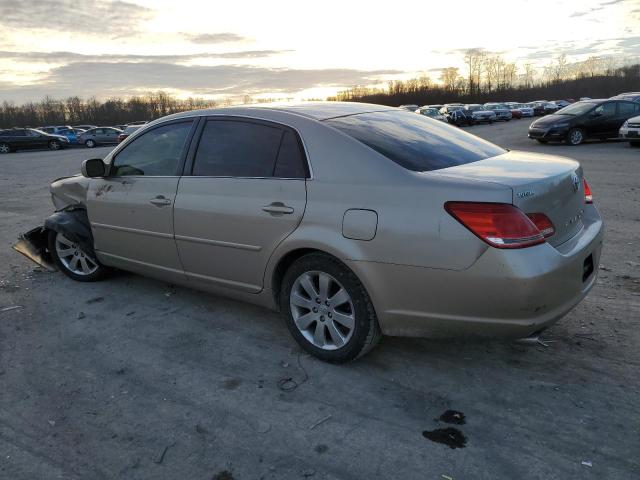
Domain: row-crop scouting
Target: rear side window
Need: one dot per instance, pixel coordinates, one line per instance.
(414, 141)
(236, 148)
(626, 108)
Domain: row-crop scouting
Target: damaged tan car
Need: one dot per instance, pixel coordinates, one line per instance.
(353, 220)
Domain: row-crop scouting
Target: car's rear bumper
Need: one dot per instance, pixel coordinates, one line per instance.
(511, 293)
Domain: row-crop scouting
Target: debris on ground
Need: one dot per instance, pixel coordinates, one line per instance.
(9, 308)
(159, 459)
(452, 437)
(309, 473)
(288, 384)
(446, 477)
(453, 416)
(587, 463)
(80, 316)
(320, 422)
(95, 300)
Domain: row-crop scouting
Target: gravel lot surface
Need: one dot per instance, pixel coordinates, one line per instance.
(134, 378)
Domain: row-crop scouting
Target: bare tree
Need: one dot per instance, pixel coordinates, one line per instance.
(449, 78)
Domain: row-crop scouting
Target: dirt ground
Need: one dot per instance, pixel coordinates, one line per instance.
(134, 378)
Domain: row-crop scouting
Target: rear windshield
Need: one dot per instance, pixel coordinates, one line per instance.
(416, 142)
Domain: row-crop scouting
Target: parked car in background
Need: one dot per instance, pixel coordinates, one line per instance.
(538, 108)
(630, 131)
(409, 107)
(561, 103)
(64, 130)
(480, 114)
(550, 107)
(500, 109)
(526, 110)
(437, 107)
(29, 138)
(84, 127)
(631, 96)
(460, 117)
(513, 108)
(450, 107)
(431, 113)
(99, 136)
(579, 121)
(482, 256)
(128, 130)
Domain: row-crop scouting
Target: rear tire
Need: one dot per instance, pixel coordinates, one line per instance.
(5, 148)
(55, 145)
(90, 143)
(575, 137)
(73, 261)
(327, 309)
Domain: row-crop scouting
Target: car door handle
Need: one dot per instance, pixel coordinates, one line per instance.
(277, 208)
(160, 201)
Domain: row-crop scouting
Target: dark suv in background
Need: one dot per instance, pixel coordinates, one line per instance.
(30, 138)
(585, 119)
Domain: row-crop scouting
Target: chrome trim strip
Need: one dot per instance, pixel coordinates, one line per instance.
(100, 253)
(225, 283)
(131, 230)
(218, 243)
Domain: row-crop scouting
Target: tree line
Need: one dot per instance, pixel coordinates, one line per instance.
(113, 111)
(489, 77)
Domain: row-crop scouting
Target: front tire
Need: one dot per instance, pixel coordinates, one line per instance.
(5, 148)
(73, 261)
(575, 137)
(54, 145)
(90, 143)
(327, 309)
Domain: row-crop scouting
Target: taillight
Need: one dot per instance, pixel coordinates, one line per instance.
(499, 224)
(588, 196)
(542, 222)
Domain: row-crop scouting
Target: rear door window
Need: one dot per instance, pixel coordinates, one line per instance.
(626, 109)
(414, 141)
(239, 148)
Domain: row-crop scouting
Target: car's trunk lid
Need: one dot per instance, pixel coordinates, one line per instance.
(540, 183)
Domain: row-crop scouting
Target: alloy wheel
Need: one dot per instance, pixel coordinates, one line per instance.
(4, 148)
(322, 310)
(575, 137)
(73, 258)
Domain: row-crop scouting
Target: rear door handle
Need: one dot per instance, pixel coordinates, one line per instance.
(277, 208)
(160, 201)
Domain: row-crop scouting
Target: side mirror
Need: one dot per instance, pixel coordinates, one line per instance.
(595, 114)
(94, 167)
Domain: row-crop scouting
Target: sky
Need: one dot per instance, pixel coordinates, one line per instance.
(285, 49)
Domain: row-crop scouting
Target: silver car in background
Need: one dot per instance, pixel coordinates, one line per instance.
(481, 114)
(353, 220)
(99, 136)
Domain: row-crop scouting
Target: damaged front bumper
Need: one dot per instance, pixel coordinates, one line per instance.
(34, 245)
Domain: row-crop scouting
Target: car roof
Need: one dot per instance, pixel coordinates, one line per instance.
(315, 110)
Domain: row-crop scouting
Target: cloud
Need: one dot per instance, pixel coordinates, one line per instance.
(104, 79)
(68, 57)
(107, 17)
(211, 38)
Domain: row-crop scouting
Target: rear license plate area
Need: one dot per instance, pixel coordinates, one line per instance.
(587, 268)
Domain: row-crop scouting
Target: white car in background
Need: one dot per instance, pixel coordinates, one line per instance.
(630, 131)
